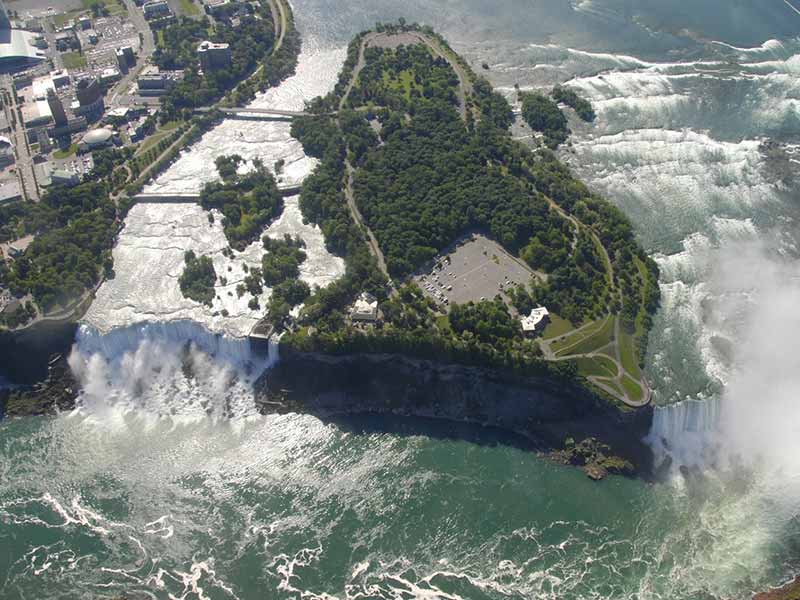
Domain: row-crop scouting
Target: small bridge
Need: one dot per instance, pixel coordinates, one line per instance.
(261, 114)
(184, 198)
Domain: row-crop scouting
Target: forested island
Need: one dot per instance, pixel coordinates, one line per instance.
(415, 152)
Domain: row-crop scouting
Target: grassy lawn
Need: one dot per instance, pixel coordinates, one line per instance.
(189, 8)
(66, 152)
(73, 60)
(160, 133)
(634, 389)
(596, 366)
(601, 335)
(612, 384)
(557, 327)
(627, 350)
(61, 19)
(114, 7)
(576, 336)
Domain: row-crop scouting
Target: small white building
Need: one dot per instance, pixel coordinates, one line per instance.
(536, 321)
(365, 308)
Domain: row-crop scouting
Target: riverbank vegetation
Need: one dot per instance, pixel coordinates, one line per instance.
(544, 116)
(581, 106)
(74, 229)
(198, 278)
(248, 202)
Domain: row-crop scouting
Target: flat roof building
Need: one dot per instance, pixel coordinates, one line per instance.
(214, 56)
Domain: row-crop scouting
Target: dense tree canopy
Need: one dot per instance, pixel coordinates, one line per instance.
(543, 115)
(570, 97)
(248, 202)
(198, 278)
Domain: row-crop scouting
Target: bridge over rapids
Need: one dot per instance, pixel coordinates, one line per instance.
(189, 197)
(263, 114)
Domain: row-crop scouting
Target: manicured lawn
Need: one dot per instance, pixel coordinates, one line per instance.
(66, 152)
(596, 366)
(189, 8)
(612, 384)
(73, 60)
(557, 327)
(573, 338)
(634, 389)
(600, 336)
(627, 350)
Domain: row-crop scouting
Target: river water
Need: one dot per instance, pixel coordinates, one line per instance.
(167, 484)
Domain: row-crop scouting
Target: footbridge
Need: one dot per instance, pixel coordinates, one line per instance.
(261, 114)
(190, 197)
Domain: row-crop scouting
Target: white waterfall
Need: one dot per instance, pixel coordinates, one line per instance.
(686, 432)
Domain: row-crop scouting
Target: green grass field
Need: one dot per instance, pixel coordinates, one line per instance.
(596, 366)
(627, 350)
(633, 389)
(73, 60)
(67, 152)
(556, 327)
(599, 335)
(189, 8)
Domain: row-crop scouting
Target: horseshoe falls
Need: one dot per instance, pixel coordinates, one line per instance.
(166, 482)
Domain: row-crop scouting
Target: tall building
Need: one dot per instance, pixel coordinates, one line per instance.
(214, 56)
(17, 48)
(5, 23)
(57, 108)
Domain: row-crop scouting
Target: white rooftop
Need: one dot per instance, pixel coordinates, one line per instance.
(535, 319)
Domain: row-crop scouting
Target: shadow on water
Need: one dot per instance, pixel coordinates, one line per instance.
(433, 428)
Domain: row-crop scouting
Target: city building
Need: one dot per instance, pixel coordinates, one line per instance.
(365, 308)
(56, 108)
(89, 102)
(153, 82)
(109, 76)
(35, 107)
(214, 56)
(60, 78)
(10, 191)
(67, 40)
(97, 138)
(125, 58)
(6, 152)
(155, 9)
(536, 321)
(84, 23)
(64, 177)
(17, 47)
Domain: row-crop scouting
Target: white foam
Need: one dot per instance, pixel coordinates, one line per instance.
(149, 259)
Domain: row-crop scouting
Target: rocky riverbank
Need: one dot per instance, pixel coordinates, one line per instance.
(566, 422)
(790, 591)
(58, 391)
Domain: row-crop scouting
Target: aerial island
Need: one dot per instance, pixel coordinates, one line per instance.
(469, 255)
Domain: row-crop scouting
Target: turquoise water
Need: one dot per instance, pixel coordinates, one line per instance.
(289, 507)
(140, 493)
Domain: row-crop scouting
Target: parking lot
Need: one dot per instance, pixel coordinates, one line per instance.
(476, 269)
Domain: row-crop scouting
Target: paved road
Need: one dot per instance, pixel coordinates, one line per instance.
(119, 94)
(25, 164)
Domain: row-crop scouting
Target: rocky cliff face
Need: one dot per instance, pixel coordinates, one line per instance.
(545, 411)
